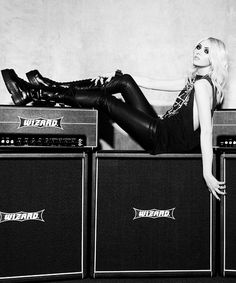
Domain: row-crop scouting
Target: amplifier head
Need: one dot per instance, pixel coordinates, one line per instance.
(45, 126)
(224, 128)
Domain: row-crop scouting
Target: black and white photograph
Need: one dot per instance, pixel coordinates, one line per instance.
(118, 141)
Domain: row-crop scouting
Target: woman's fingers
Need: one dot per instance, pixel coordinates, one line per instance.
(219, 191)
(109, 78)
(98, 79)
(215, 194)
(217, 188)
(102, 79)
(222, 185)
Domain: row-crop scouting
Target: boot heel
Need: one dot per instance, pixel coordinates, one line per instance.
(12, 82)
(7, 75)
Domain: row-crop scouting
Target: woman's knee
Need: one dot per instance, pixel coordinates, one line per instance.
(128, 80)
(127, 77)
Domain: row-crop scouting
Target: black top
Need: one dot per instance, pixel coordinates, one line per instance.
(176, 132)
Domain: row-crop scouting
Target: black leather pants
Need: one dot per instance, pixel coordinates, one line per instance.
(136, 116)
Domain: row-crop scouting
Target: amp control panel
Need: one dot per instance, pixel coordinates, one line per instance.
(42, 141)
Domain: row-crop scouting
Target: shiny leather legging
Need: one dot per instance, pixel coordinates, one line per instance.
(136, 116)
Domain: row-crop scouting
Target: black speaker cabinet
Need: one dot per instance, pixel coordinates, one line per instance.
(42, 216)
(152, 215)
(228, 215)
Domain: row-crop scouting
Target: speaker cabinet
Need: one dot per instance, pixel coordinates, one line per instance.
(228, 215)
(42, 216)
(152, 215)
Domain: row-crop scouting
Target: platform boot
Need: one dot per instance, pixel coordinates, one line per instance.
(35, 78)
(23, 93)
(21, 98)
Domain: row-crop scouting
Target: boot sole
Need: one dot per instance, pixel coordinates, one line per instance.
(11, 87)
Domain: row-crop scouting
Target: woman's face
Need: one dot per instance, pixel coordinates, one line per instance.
(201, 54)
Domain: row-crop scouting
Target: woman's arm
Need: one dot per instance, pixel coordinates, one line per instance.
(203, 98)
(148, 83)
(162, 85)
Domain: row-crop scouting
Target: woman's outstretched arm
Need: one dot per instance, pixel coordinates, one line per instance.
(203, 98)
(148, 83)
(161, 85)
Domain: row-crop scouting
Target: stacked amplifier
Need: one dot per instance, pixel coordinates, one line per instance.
(47, 127)
(44, 186)
(144, 215)
(224, 141)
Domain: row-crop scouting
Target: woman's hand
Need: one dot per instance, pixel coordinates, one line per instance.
(214, 186)
(100, 80)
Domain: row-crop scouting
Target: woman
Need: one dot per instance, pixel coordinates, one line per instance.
(184, 128)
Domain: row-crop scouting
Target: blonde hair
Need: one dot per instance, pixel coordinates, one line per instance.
(219, 67)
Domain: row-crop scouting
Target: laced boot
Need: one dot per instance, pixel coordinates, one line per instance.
(36, 78)
(23, 92)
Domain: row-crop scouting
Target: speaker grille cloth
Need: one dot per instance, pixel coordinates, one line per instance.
(151, 244)
(36, 247)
